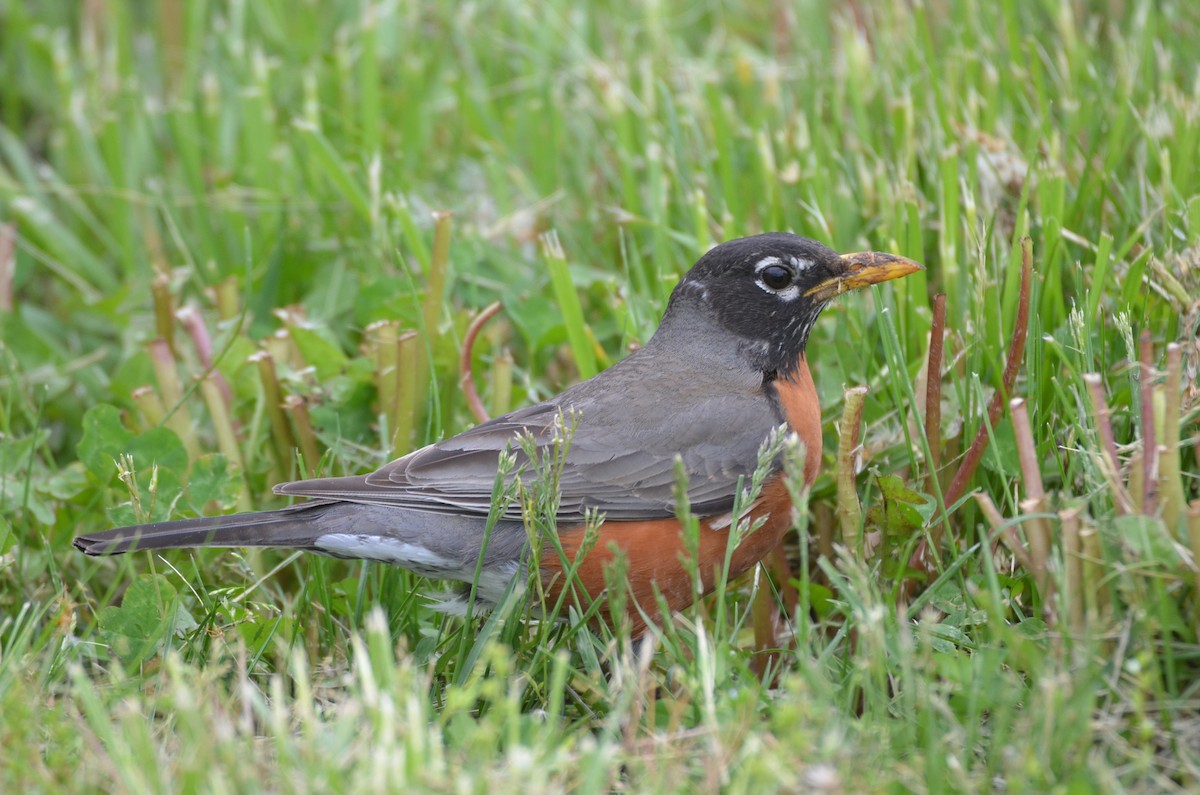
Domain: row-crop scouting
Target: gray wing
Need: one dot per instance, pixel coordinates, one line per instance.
(629, 423)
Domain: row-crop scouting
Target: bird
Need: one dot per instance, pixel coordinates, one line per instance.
(725, 369)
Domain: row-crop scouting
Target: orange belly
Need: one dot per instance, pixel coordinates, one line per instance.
(654, 551)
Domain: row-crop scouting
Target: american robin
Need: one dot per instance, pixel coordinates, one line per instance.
(725, 368)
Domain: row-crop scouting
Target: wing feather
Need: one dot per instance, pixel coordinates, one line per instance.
(618, 461)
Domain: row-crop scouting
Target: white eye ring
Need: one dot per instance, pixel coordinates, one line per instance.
(787, 293)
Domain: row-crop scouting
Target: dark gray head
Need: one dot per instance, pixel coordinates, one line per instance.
(768, 290)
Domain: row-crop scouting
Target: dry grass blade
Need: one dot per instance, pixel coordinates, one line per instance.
(307, 437)
(282, 441)
(770, 622)
(150, 404)
(1006, 534)
(382, 345)
(164, 308)
(1073, 581)
(502, 383)
(1037, 527)
(849, 510)
(409, 390)
(439, 264)
(1030, 468)
(178, 418)
(225, 295)
(1193, 520)
(418, 353)
(1109, 462)
(227, 443)
(1170, 476)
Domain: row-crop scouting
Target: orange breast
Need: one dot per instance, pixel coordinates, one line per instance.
(801, 406)
(654, 551)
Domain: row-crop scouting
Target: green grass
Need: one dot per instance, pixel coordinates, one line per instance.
(276, 164)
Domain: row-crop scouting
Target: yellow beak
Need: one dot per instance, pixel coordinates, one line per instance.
(862, 270)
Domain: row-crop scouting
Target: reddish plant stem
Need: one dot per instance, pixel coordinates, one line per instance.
(1016, 354)
(202, 342)
(933, 391)
(466, 378)
(8, 265)
(1149, 441)
(919, 561)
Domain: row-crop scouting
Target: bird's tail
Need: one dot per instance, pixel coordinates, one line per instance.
(297, 526)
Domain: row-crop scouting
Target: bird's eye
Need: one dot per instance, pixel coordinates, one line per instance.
(776, 277)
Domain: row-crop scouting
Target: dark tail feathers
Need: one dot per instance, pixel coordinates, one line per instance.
(296, 526)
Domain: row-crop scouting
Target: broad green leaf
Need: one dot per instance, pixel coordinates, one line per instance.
(900, 511)
(319, 353)
(1147, 540)
(148, 615)
(106, 439)
(211, 480)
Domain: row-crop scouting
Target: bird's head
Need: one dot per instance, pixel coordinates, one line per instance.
(769, 289)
